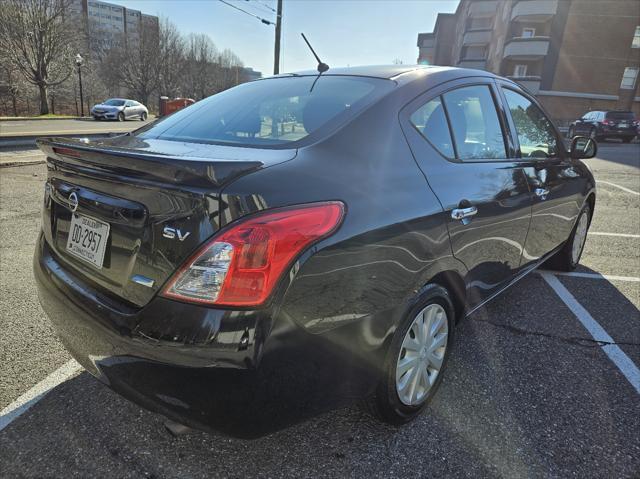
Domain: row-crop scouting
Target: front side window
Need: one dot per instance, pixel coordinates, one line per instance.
(629, 78)
(536, 135)
(271, 112)
(474, 122)
(431, 122)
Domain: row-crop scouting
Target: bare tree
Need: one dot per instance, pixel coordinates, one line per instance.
(139, 67)
(37, 41)
(172, 53)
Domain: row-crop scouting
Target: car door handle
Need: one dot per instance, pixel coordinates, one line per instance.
(461, 213)
(542, 193)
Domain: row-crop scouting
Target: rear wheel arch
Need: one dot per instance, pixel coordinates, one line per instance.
(455, 286)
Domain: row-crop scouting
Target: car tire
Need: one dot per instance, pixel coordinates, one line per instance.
(568, 258)
(143, 116)
(390, 402)
(572, 132)
(627, 139)
(120, 116)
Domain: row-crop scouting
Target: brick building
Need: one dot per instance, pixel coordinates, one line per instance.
(574, 55)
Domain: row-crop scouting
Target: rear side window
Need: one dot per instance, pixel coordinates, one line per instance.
(271, 112)
(536, 135)
(431, 122)
(474, 122)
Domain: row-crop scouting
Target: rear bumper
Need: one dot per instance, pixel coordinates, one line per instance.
(615, 131)
(238, 372)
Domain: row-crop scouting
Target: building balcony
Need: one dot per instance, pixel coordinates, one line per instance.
(476, 63)
(477, 37)
(481, 8)
(530, 82)
(531, 48)
(534, 10)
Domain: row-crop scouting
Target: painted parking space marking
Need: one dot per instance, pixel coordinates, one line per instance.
(613, 351)
(619, 187)
(37, 392)
(610, 277)
(620, 235)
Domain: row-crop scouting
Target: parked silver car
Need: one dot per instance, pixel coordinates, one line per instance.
(119, 109)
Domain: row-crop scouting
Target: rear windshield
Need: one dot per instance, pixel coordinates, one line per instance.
(113, 102)
(620, 115)
(271, 112)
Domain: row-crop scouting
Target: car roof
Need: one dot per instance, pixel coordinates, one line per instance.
(400, 73)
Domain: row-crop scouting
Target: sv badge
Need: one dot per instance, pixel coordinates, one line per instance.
(173, 233)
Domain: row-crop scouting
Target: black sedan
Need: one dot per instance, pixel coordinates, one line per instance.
(298, 242)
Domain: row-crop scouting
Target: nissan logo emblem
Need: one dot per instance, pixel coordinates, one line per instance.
(73, 201)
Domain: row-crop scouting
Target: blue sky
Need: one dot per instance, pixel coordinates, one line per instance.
(343, 32)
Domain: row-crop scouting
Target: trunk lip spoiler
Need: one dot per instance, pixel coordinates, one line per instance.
(196, 165)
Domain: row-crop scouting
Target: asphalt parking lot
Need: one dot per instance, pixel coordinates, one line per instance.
(533, 388)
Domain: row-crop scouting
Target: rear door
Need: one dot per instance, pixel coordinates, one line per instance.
(457, 135)
(555, 181)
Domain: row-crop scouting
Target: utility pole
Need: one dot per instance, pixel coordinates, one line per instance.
(276, 60)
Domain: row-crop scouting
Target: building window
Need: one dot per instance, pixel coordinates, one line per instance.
(520, 71)
(480, 23)
(474, 52)
(629, 78)
(635, 43)
(528, 32)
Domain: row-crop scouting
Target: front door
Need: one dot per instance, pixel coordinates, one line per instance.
(556, 182)
(458, 138)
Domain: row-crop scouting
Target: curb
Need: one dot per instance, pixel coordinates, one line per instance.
(11, 141)
(47, 119)
(9, 164)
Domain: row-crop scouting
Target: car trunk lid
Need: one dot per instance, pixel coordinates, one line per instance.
(161, 200)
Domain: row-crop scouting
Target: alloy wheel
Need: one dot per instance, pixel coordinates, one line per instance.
(422, 355)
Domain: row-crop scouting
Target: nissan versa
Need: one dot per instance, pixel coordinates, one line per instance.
(298, 242)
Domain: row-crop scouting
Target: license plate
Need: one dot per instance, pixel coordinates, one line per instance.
(623, 125)
(88, 239)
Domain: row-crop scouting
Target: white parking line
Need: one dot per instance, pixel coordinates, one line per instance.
(621, 235)
(617, 356)
(609, 277)
(618, 186)
(37, 392)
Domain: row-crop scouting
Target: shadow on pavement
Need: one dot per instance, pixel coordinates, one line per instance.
(523, 396)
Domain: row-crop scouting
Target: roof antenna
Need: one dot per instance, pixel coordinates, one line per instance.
(322, 67)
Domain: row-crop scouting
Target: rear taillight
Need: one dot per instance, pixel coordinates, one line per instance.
(607, 122)
(241, 265)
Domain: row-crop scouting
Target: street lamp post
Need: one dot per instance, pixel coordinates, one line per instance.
(79, 64)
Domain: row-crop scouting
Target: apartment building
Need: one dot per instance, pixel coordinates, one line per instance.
(108, 24)
(574, 55)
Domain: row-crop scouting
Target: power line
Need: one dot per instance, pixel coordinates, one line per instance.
(263, 20)
(261, 6)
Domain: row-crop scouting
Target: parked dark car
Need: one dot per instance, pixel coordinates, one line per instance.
(119, 109)
(294, 243)
(601, 125)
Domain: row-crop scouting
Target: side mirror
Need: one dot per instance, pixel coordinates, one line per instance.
(583, 148)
